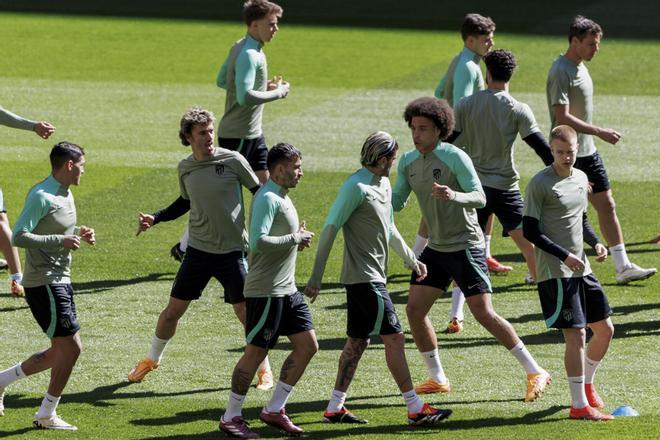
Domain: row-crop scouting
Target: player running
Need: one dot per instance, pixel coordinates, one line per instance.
(448, 191)
(363, 211)
(47, 229)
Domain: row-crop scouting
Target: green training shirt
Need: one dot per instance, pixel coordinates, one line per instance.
(14, 121)
(48, 215)
(463, 78)
(558, 203)
(489, 122)
(244, 75)
(363, 210)
(453, 224)
(570, 84)
(213, 186)
(274, 240)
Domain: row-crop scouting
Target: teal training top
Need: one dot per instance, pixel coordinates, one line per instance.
(363, 210)
(274, 240)
(14, 121)
(214, 188)
(244, 75)
(463, 78)
(489, 122)
(453, 224)
(558, 203)
(48, 215)
(570, 84)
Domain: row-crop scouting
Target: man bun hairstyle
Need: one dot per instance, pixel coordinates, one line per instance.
(378, 145)
(437, 110)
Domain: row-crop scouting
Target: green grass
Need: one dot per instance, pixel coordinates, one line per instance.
(118, 87)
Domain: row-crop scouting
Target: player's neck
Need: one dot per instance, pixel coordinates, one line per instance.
(572, 56)
(61, 179)
(562, 171)
(498, 86)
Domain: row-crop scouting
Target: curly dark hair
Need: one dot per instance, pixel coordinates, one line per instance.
(437, 110)
(501, 64)
(581, 27)
(475, 25)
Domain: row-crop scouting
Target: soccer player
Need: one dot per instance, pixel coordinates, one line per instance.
(569, 92)
(44, 130)
(571, 297)
(448, 191)
(210, 180)
(244, 75)
(363, 210)
(47, 229)
(274, 306)
(487, 124)
(463, 78)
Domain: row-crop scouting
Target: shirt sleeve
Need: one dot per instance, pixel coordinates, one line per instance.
(440, 90)
(558, 86)
(264, 210)
(182, 186)
(245, 174)
(533, 199)
(473, 195)
(526, 121)
(246, 73)
(221, 80)
(398, 244)
(401, 190)
(465, 78)
(14, 121)
(36, 207)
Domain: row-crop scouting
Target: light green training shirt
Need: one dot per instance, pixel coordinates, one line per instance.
(274, 240)
(48, 215)
(244, 75)
(570, 84)
(453, 224)
(489, 122)
(363, 210)
(558, 203)
(213, 186)
(14, 121)
(463, 78)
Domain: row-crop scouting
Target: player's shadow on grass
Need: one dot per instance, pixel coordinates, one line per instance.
(101, 396)
(100, 286)
(22, 306)
(5, 434)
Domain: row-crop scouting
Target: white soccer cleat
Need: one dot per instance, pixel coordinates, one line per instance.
(2, 401)
(634, 273)
(53, 422)
(529, 279)
(3, 264)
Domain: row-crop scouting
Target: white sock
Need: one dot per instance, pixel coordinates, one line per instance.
(578, 396)
(234, 407)
(11, 375)
(413, 402)
(280, 396)
(183, 242)
(432, 360)
(487, 238)
(590, 368)
(48, 406)
(620, 257)
(337, 400)
(18, 277)
(157, 348)
(420, 244)
(525, 358)
(457, 304)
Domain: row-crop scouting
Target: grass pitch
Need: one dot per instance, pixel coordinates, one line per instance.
(118, 87)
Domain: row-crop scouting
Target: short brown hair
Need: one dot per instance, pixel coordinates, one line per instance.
(475, 25)
(257, 9)
(563, 133)
(582, 26)
(193, 116)
(437, 110)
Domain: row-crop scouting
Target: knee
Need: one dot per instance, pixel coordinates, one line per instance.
(606, 331)
(415, 312)
(172, 314)
(394, 341)
(484, 316)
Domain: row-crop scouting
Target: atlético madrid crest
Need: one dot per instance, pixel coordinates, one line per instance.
(219, 169)
(436, 173)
